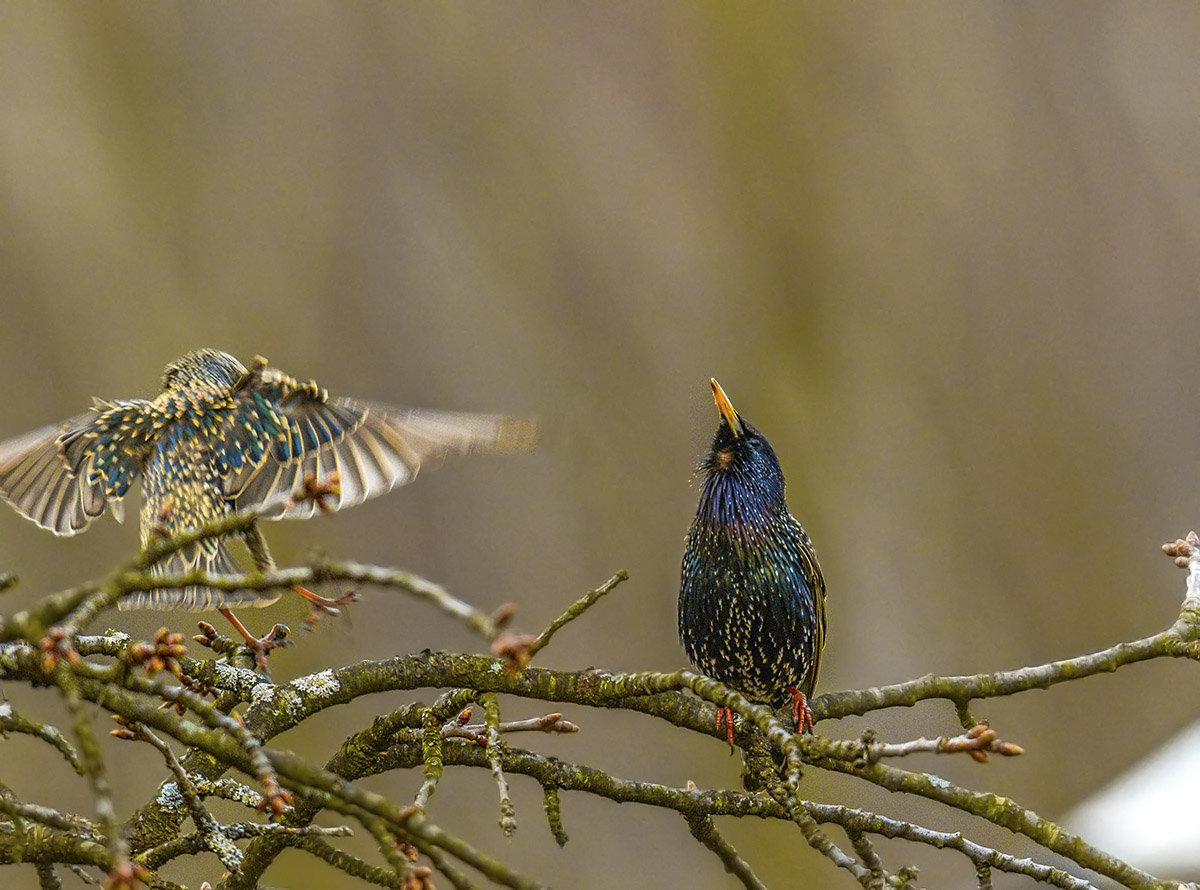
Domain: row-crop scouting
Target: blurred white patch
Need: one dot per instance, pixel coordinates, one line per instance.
(1147, 815)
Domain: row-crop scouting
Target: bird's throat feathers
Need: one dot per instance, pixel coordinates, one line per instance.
(732, 508)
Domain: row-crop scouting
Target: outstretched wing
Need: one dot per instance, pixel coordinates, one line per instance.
(62, 477)
(284, 431)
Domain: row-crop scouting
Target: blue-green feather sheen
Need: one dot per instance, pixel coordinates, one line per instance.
(748, 614)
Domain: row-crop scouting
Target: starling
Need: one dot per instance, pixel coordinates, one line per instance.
(752, 597)
(221, 437)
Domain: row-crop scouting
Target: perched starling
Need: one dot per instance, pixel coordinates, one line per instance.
(752, 598)
(221, 437)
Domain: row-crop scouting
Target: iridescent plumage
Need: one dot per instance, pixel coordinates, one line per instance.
(221, 437)
(752, 597)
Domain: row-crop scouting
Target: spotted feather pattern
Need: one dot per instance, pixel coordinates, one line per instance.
(221, 437)
(62, 477)
(752, 596)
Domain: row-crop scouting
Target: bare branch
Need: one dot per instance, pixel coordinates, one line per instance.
(10, 721)
(93, 767)
(48, 878)
(440, 739)
(978, 742)
(1000, 811)
(495, 755)
(865, 850)
(1180, 640)
(705, 832)
(211, 834)
(820, 842)
(575, 610)
(477, 732)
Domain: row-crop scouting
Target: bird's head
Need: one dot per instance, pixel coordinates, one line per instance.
(204, 367)
(740, 456)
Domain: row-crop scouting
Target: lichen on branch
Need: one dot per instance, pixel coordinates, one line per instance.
(210, 723)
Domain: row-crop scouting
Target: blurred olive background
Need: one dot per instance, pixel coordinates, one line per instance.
(944, 255)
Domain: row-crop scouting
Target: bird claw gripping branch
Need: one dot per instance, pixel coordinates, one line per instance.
(275, 638)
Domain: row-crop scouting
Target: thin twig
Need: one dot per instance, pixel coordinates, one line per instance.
(93, 765)
(978, 742)
(477, 732)
(1000, 811)
(76, 608)
(575, 610)
(820, 842)
(10, 721)
(1180, 640)
(274, 798)
(705, 832)
(495, 755)
(310, 575)
(431, 750)
(81, 874)
(19, 811)
(212, 834)
(200, 841)
(865, 851)
(342, 860)
(48, 878)
(552, 807)
(388, 845)
(555, 773)
(442, 863)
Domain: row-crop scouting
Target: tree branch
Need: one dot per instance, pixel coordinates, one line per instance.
(439, 740)
(705, 832)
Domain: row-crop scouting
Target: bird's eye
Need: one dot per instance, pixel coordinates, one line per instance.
(755, 443)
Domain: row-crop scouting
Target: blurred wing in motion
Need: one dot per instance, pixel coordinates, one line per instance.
(284, 432)
(62, 477)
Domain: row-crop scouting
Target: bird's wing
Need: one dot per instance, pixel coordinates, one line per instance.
(62, 477)
(288, 431)
(816, 583)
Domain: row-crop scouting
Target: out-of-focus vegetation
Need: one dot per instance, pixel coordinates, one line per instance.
(945, 256)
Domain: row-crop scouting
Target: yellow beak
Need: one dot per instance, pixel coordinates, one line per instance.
(725, 407)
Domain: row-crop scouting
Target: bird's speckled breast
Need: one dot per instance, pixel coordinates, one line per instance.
(182, 482)
(747, 614)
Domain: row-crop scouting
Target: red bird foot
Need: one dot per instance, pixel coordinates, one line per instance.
(276, 638)
(801, 716)
(725, 715)
(323, 605)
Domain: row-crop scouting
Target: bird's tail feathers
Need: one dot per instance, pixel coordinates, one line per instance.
(214, 557)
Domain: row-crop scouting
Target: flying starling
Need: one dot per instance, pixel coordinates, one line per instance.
(752, 597)
(221, 437)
